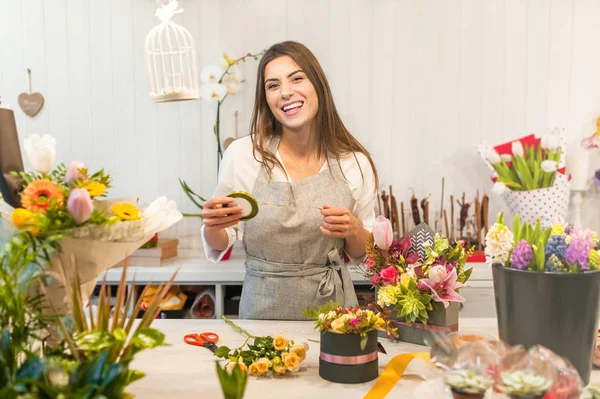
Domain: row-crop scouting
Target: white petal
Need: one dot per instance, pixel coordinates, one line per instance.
(517, 148)
(549, 166)
(212, 73)
(506, 157)
(212, 92)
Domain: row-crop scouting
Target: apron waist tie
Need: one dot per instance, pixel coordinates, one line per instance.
(331, 282)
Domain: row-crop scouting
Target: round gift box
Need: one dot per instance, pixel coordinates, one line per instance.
(342, 360)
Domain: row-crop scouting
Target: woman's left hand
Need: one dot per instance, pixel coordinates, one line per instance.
(339, 222)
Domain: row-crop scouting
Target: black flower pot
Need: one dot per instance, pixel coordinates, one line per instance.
(342, 360)
(555, 310)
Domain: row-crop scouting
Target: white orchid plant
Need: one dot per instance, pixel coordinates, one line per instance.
(528, 163)
(221, 79)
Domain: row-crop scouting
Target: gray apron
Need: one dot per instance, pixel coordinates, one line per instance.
(290, 264)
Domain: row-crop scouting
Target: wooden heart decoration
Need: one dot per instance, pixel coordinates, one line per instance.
(32, 103)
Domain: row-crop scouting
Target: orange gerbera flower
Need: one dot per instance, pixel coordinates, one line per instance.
(39, 194)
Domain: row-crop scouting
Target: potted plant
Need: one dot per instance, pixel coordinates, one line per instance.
(349, 343)
(546, 281)
(467, 384)
(417, 279)
(523, 384)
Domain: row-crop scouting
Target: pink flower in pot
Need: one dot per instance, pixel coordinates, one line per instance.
(443, 285)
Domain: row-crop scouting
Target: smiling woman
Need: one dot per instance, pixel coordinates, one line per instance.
(301, 158)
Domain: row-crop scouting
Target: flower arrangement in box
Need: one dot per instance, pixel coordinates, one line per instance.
(415, 286)
(349, 343)
(563, 263)
(265, 355)
(529, 171)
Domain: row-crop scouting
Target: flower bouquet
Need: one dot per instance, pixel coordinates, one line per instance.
(277, 355)
(546, 281)
(349, 343)
(530, 175)
(66, 202)
(419, 283)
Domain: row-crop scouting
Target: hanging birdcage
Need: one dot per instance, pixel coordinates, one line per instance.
(171, 59)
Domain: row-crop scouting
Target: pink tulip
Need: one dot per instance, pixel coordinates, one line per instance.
(383, 233)
(389, 274)
(80, 205)
(73, 172)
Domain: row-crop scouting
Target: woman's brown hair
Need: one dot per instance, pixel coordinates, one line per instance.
(334, 138)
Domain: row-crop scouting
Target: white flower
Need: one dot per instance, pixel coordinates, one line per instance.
(517, 148)
(499, 188)
(506, 157)
(212, 92)
(212, 73)
(41, 152)
(233, 79)
(494, 157)
(498, 244)
(549, 166)
(550, 142)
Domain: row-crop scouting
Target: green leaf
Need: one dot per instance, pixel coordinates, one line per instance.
(222, 352)
(363, 342)
(147, 338)
(517, 228)
(540, 255)
(120, 335)
(32, 369)
(233, 385)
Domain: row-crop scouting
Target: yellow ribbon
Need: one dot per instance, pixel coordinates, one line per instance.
(392, 373)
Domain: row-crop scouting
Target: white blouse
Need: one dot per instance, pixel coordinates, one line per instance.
(239, 170)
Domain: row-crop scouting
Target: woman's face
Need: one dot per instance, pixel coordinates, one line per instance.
(291, 96)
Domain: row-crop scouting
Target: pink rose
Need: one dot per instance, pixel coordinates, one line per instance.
(375, 280)
(389, 274)
(422, 287)
(383, 233)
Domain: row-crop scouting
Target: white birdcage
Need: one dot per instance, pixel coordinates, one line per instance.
(171, 59)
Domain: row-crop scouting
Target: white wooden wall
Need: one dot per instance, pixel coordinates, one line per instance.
(420, 83)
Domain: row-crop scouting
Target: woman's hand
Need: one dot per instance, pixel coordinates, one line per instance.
(217, 216)
(339, 222)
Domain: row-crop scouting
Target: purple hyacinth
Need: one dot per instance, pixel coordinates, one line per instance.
(522, 255)
(578, 252)
(557, 245)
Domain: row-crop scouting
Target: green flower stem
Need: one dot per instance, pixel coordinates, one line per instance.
(238, 328)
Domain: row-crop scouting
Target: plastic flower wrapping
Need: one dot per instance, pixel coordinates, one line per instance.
(408, 278)
(70, 202)
(530, 175)
(561, 248)
(478, 365)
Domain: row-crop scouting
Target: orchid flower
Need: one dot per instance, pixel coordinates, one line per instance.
(443, 285)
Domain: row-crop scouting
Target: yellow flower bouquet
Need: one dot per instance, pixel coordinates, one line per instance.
(68, 203)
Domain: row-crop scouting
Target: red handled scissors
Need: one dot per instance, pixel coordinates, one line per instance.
(206, 339)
